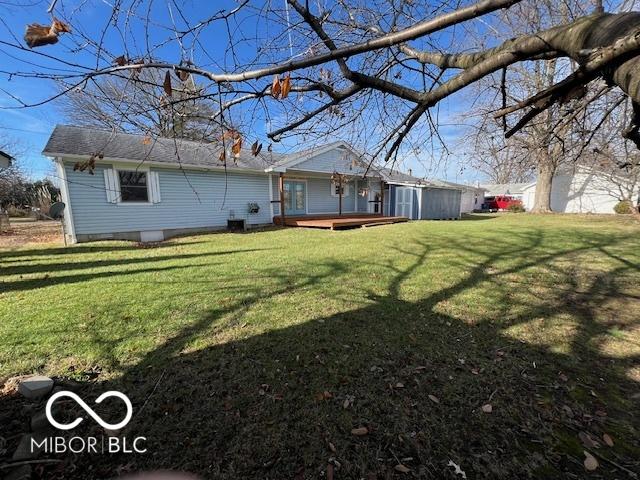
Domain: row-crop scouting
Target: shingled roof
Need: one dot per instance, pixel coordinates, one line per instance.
(85, 141)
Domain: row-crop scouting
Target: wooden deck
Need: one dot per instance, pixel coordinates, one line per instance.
(334, 222)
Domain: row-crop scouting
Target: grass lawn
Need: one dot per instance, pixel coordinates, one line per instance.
(256, 355)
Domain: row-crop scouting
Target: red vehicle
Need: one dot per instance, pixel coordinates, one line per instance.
(499, 202)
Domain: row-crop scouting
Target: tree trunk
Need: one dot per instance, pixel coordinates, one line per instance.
(542, 199)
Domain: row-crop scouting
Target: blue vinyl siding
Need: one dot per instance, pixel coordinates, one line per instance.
(335, 160)
(190, 199)
(319, 198)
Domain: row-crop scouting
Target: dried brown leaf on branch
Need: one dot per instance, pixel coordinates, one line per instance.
(167, 84)
(286, 87)
(237, 146)
(38, 35)
(88, 165)
(256, 148)
(183, 75)
(276, 87)
(231, 133)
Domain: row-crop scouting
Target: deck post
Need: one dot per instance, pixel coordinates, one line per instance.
(355, 196)
(339, 195)
(382, 198)
(281, 191)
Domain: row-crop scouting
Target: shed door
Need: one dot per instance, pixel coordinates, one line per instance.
(404, 201)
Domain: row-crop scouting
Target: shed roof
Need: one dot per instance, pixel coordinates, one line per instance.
(393, 176)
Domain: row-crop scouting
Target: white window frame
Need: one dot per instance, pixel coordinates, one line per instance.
(345, 189)
(146, 170)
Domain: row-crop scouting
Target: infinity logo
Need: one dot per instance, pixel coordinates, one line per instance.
(89, 410)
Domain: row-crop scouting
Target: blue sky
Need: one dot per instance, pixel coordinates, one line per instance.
(31, 126)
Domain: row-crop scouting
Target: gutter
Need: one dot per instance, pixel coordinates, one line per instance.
(179, 166)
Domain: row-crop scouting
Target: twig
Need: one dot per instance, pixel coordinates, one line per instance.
(155, 387)
(52, 6)
(492, 394)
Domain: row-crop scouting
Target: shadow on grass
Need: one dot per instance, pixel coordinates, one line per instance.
(47, 280)
(18, 255)
(283, 404)
(68, 265)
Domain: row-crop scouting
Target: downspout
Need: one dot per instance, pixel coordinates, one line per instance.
(281, 188)
(339, 195)
(270, 179)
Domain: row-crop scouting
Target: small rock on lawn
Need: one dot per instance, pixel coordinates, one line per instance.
(35, 387)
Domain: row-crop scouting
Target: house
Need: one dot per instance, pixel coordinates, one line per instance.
(5, 159)
(586, 190)
(125, 186)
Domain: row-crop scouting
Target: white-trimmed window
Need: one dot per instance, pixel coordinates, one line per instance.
(335, 189)
(132, 186)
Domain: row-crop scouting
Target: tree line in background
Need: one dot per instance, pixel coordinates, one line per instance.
(20, 196)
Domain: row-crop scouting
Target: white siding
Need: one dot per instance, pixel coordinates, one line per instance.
(582, 192)
(471, 200)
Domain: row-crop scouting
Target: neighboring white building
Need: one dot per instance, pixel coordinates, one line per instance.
(472, 199)
(585, 190)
